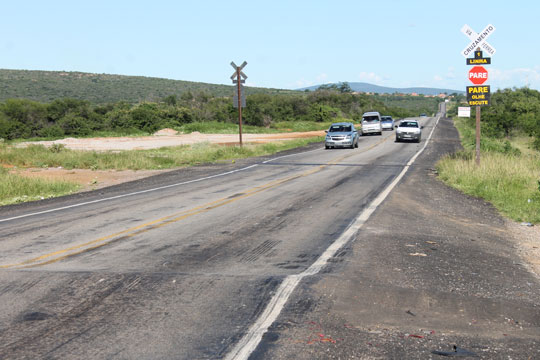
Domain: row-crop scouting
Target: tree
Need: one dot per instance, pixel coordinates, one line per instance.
(344, 87)
(171, 100)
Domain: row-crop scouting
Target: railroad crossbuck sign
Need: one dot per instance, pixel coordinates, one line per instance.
(478, 75)
(239, 78)
(478, 40)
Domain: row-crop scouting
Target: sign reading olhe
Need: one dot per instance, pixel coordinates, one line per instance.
(479, 95)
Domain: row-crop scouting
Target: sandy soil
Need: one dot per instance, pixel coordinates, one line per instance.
(527, 239)
(169, 137)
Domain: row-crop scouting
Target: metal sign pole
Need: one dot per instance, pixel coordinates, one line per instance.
(239, 85)
(478, 136)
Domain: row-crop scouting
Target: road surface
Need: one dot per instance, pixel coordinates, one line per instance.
(257, 258)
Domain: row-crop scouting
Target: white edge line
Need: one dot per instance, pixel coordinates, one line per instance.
(249, 342)
(125, 195)
(148, 190)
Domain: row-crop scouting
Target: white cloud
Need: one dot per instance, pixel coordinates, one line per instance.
(517, 77)
(370, 77)
(451, 74)
(303, 83)
(438, 78)
(321, 77)
(319, 80)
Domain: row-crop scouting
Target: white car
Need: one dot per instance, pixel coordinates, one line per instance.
(409, 129)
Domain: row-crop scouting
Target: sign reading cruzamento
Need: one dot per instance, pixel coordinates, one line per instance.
(478, 40)
(479, 95)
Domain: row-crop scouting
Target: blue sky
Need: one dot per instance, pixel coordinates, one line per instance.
(287, 44)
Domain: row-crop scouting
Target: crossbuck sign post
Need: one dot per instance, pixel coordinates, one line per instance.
(239, 100)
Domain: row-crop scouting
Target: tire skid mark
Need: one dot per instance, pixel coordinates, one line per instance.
(260, 250)
(74, 250)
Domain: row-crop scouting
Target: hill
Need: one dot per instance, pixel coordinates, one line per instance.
(46, 86)
(371, 88)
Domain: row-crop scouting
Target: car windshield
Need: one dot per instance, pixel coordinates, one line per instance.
(370, 118)
(386, 118)
(413, 124)
(340, 128)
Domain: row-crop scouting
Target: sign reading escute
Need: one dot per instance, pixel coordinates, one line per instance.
(479, 95)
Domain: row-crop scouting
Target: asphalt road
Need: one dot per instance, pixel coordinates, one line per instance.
(186, 264)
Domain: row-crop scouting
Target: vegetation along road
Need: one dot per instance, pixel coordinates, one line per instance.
(308, 254)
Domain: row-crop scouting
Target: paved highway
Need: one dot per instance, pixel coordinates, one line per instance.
(194, 264)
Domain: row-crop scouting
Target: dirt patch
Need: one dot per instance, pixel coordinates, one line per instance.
(164, 138)
(91, 180)
(527, 239)
(88, 179)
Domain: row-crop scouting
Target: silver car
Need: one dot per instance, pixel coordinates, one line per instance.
(341, 134)
(387, 123)
(410, 130)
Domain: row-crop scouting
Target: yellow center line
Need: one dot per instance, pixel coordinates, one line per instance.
(139, 229)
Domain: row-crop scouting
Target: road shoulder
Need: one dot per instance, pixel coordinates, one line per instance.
(431, 269)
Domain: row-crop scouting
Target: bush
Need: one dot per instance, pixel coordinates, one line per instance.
(53, 131)
(73, 124)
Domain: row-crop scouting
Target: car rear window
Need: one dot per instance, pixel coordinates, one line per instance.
(340, 128)
(370, 118)
(408, 124)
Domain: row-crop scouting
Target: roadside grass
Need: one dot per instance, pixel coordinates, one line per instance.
(16, 189)
(163, 158)
(508, 175)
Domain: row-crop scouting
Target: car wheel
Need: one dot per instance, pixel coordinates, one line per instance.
(356, 145)
(397, 140)
(327, 147)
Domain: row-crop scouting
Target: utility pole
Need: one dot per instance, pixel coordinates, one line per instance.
(239, 99)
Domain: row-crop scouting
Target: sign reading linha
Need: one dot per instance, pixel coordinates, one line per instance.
(478, 95)
(478, 59)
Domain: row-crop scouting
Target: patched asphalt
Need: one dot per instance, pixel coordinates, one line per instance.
(433, 273)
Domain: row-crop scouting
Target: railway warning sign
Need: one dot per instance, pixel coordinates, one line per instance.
(478, 75)
(478, 95)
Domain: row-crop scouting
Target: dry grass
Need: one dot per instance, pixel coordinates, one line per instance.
(509, 181)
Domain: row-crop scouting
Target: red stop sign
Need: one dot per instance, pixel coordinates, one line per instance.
(478, 75)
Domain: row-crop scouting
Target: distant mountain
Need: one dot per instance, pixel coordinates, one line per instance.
(45, 86)
(366, 87)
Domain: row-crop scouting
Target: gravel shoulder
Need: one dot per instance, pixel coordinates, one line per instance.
(431, 269)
